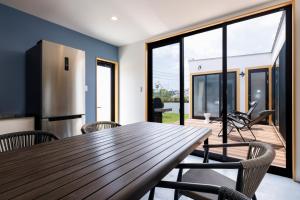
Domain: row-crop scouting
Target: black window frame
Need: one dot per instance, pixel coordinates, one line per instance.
(220, 92)
(288, 83)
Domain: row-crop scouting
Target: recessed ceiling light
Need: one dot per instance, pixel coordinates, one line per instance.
(114, 18)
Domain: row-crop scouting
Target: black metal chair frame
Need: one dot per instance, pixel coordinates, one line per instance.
(241, 123)
(18, 140)
(223, 193)
(254, 157)
(235, 113)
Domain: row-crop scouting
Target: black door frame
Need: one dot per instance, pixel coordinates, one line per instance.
(152, 46)
(266, 71)
(179, 39)
(102, 63)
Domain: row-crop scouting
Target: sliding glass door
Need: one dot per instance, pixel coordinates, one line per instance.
(253, 46)
(204, 78)
(165, 85)
(207, 94)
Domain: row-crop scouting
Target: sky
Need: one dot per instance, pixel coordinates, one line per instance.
(247, 37)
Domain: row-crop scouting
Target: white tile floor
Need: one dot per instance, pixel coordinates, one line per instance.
(272, 187)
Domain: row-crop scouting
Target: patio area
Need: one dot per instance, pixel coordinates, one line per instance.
(263, 133)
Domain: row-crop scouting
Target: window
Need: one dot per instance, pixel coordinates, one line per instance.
(242, 65)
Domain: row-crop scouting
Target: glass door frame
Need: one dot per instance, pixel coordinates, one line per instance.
(180, 39)
(220, 92)
(205, 95)
(266, 71)
(152, 46)
(112, 65)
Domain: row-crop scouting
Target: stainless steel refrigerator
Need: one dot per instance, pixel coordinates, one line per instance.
(55, 88)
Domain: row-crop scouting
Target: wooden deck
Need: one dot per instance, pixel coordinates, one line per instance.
(263, 133)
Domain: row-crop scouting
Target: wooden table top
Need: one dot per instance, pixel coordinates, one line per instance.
(119, 163)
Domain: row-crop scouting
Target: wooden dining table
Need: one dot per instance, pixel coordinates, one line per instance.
(119, 163)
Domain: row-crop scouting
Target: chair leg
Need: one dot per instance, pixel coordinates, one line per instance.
(220, 133)
(252, 133)
(179, 178)
(241, 134)
(151, 194)
(206, 154)
(231, 128)
(228, 132)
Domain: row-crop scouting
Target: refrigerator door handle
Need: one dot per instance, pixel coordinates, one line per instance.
(65, 126)
(60, 118)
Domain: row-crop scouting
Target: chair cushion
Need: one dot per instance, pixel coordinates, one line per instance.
(205, 176)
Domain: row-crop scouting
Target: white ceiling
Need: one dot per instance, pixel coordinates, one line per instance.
(138, 19)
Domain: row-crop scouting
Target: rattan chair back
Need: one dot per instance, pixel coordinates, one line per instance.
(259, 158)
(17, 140)
(98, 126)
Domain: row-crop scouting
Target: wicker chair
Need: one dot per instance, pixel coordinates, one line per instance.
(223, 193)
(98, 126)
(17, 140)
(250, 171)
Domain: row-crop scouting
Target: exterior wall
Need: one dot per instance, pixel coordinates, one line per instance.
(279, 42)
(19, 32)
(241, 63)
(132, 82)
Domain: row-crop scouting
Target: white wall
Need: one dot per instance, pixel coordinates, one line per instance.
(240, 62)
(132, 83)
(297, 86)
(280, 41)
(16, 124)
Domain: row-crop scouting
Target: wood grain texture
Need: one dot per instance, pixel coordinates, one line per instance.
(120, 163)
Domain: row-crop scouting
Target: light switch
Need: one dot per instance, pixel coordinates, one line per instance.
(86, 88)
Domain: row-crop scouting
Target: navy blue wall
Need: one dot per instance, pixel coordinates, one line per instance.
(20, 31)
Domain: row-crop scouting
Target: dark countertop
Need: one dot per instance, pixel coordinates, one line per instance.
(12, 116)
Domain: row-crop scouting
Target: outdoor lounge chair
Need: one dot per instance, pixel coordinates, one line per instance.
(251, 172)
(253, 105)
(236, 113)
(98, 126)
(241, 123)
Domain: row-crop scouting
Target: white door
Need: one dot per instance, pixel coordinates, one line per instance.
(104, 95)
